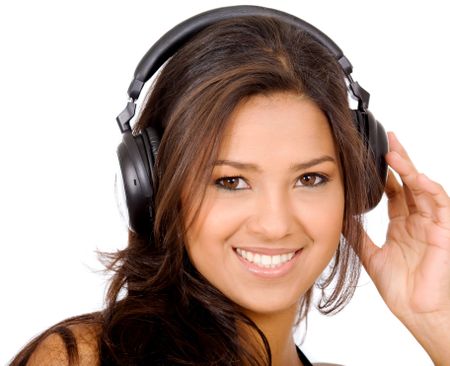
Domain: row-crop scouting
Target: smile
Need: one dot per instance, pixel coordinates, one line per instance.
(264, 260)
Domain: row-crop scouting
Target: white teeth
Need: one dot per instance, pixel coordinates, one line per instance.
(265, 261)
(276, 259)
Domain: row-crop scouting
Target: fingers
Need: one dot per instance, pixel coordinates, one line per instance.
(397, 206)
(399, 159)
(439, 197)
(367, 253)
(401, 200)
(420, 194)
(395, 145)
(408, 174)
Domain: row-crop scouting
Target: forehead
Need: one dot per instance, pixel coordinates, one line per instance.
(284, 125)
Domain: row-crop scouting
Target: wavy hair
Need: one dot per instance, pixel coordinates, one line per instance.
(160, 310)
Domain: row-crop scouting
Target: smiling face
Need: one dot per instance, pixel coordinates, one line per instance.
(272, 213)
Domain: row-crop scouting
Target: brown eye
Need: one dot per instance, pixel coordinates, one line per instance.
(231, 183)
(311, 179)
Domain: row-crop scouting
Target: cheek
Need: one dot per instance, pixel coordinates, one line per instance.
(315, 221)
(207, 235)
(323, 224)
(324, 220)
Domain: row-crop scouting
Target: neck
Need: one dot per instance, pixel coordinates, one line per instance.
(278, 329)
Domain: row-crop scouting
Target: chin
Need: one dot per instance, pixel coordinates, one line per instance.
(269, 304)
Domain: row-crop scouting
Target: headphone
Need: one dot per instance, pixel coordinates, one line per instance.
(137, 153)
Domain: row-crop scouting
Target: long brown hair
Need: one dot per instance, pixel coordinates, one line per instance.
(160, 310)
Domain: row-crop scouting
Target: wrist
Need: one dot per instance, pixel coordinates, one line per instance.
(432, 331)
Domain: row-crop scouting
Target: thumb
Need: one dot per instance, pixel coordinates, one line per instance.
(367, 251)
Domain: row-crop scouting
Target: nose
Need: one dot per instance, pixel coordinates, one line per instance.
(273, 216)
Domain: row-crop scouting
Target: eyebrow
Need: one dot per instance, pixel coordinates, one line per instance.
(294, 167)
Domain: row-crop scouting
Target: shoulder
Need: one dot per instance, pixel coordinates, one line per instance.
(72, 344)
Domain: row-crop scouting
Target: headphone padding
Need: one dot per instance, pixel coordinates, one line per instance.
(376, 143)
(138, 189)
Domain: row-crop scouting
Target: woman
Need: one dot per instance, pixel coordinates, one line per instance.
(260, 181)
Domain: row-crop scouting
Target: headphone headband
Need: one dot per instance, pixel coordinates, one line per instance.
(171, 41)
(138, 152)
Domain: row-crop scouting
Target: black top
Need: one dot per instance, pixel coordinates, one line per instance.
(303, 358)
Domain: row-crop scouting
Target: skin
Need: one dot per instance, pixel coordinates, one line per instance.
(272, 208)
(411, 270)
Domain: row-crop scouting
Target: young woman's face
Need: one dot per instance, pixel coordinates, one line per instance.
(272, 215)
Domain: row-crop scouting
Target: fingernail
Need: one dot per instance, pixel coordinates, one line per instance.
(393, 135)
(395, 155)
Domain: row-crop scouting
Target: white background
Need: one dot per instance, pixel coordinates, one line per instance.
(65, 69)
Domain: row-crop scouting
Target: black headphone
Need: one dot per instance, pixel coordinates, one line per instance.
(137, 153)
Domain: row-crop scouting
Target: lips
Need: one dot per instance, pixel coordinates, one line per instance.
(265, 260)
(267, 263)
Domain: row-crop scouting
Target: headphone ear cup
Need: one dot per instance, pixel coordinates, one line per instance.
(151, 140)
(376, 143)
(134, 183)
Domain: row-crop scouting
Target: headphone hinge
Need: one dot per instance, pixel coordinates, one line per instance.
(123, 119)
(359, 93)
(346, 65)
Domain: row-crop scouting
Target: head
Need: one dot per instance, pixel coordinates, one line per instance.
(264, 95)
(221, 97)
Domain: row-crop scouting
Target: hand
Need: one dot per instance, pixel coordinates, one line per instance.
(412, 269)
